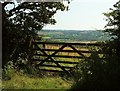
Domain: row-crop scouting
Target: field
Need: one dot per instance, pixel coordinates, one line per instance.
(73, 36)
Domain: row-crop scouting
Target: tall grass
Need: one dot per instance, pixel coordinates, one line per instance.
(14, 79)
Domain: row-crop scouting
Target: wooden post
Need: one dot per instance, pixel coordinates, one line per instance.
(30, 54)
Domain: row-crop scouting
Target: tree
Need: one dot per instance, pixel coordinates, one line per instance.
(23, 22)
(97, 74)
(113, 28)
(112, 50)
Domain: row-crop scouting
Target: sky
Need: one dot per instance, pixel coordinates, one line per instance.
(83, 15)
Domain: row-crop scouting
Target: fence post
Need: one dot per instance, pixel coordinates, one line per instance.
(30, 55)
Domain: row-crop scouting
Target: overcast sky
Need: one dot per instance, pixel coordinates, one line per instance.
(83, 15)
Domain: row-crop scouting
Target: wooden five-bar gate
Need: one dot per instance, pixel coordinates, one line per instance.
(60, 57)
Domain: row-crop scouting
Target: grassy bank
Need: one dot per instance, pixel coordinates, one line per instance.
(19, 81)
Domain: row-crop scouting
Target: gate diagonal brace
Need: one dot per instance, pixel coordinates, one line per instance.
(50, 57)
(80, 53)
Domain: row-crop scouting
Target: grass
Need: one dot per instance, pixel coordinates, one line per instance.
(19, 81)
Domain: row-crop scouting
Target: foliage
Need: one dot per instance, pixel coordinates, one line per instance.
(21, 23)
(90, 73)
(112, 51)
(113, 28)
(97, 74)
(113, 20)
(8, 71)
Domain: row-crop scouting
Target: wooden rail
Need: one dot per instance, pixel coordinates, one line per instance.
(83, 51)
(56, 57)
(62, 43)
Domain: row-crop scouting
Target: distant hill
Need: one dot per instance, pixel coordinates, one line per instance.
(73, 35)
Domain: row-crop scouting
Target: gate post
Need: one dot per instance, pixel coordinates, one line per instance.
(30, 55)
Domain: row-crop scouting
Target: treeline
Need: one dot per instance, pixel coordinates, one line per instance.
(72, 35)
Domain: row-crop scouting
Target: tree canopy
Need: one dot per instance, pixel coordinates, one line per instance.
(113, 27)
(24, 20)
